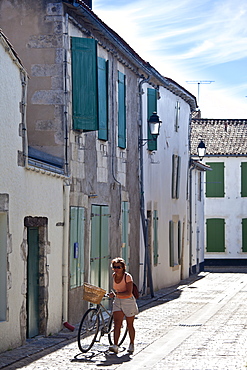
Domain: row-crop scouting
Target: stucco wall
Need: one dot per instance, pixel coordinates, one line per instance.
(29, 193)
(158, 183)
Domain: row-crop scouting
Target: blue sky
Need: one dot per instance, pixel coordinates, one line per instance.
(188, 40)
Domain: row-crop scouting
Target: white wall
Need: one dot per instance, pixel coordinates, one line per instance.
(31, 193)
(158, 183)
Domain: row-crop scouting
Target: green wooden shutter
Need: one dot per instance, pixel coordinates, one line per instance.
(215, 235)
(176, 169)
(125, 232)
(80, 238)
(84, 84)
(178, 177)
(102, 99)
(95, 246)
(244, 235)
(155, 237)
(244, 179)
(215, 180)
(171, 243)
(33, 282)
(73, 240)
(104, 248)
(76, 246)
(121, 111)
(152, 107)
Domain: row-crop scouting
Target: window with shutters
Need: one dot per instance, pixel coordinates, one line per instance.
(244, 235)
(176, 164)
(102, 99)
(175, 242)
(151, 107)
(244, 179)
(76, 246)
(215, 234)
(121, 111)
(84, 84)
(3, 265)
(215, 187)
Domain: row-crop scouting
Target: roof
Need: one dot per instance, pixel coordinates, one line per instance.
(222, 137)
(9, 48)
(82, 10)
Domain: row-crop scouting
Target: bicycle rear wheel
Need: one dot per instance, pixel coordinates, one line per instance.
(88, 329)
(123, 332)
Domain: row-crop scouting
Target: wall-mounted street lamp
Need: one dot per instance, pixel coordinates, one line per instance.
(154, 128)
(201, 150)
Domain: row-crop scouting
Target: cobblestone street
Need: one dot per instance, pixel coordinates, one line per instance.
(198, 325)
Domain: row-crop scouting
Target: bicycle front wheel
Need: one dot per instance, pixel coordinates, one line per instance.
(88, 329)
(123, 332)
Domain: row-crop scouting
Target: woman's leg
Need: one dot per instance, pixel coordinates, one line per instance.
(118, 319)
(131, 329)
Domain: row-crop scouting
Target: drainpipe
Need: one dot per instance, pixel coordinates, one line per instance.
(23, 118)
(147, 261)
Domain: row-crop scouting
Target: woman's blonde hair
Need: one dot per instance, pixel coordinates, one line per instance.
(119, 260)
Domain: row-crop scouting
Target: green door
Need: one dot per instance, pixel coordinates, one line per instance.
(99, 258)
(33, 282)
(215, 235)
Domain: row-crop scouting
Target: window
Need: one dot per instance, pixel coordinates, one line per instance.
(175, 242)
(3, 265)
(155, 237)
(102, 99)
(84, 84)
(244, 235)
(215, 234)
(152, 107)
(76, 246)
(176, 163)
(215, 180)
(244, 179)
(125, 231)
(121, 111)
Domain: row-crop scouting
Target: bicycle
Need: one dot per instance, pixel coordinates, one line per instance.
(96, 322)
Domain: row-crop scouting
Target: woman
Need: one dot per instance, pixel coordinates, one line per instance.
(124, 303)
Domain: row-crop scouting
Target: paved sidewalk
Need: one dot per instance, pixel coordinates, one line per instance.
(200, 324)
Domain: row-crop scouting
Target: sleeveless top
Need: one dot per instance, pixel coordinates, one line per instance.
(122, 286)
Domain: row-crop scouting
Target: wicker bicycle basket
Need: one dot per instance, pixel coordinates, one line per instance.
(92, 293)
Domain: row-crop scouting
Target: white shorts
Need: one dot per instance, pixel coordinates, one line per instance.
(127, 305)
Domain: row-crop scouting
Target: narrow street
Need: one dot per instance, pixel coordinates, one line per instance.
(198, 325)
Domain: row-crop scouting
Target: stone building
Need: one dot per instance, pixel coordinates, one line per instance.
(89, 98)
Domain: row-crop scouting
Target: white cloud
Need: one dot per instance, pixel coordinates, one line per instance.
(184, 38)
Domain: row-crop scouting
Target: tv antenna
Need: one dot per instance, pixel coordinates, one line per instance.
(205, 82)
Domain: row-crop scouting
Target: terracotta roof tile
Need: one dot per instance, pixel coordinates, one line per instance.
(220, 136)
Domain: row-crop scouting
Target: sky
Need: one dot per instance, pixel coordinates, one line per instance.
(202, 45)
